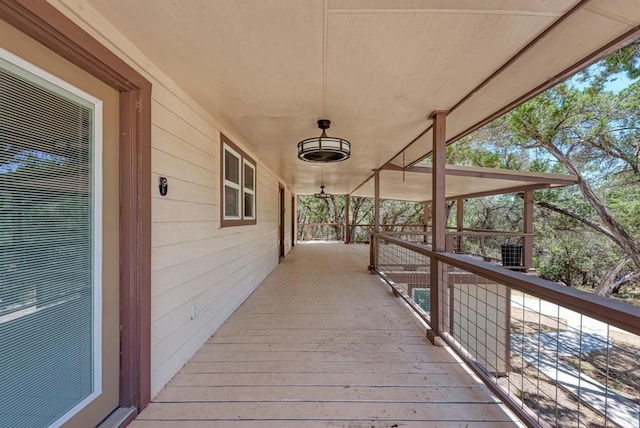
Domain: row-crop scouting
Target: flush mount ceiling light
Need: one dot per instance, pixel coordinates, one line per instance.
(323, 148)
(322, 195)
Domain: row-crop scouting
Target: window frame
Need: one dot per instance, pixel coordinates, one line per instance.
(248, 191)
(37, 76)
(226, 145)
(229, 183)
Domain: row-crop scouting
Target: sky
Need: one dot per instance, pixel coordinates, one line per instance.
(620, 82)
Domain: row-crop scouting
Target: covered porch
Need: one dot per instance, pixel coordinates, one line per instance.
(322, 342)
(211, 99)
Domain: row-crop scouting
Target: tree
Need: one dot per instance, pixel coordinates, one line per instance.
(591, 134)
(361, 217)
(582, 128)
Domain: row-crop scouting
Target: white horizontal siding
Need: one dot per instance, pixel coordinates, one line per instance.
(194, 261)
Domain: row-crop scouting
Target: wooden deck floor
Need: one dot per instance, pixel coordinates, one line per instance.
(322, 343)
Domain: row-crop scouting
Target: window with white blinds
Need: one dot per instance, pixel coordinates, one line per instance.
(50, 205)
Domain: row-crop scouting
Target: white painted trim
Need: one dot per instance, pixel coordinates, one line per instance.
(247, 190)
(53, 82)
(237, 186)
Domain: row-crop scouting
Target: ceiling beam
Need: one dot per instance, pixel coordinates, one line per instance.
(507, 175)
(363, 183)
(505, 191)
(420, 135)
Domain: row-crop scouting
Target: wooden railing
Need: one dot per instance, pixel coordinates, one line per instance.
(556, 355)
(358, 232)
(320, 231)
(507, 248)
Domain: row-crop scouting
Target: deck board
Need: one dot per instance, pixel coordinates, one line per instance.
(293, 423)
(398, 394)
(321, 367)
(318, 410)
(322, 343)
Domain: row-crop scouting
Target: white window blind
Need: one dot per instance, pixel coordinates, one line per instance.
(49, 247)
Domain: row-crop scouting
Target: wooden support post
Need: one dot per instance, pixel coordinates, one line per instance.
(425, 220)
(347, 229)
(376, 202)
(527, 253)
(438, 226)
(448, 246)
(459, 223)
(373, 254)
(373, 257)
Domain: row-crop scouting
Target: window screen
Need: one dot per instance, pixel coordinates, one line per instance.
(48, 276)
(238, 186)
(249, 190)
(231, 183)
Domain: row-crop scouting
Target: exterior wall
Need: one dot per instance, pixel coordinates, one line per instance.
(198, 268)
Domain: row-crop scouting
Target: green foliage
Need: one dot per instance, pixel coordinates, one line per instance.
(622, 196)
(581, 128)
(625, 61)
(331, 211)
(568, 253)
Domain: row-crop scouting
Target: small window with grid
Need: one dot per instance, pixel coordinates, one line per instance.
(238, 186)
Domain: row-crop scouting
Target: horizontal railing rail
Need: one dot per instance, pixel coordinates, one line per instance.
(505, 248)
(619, 314)
(359, 232)
(556, 355)
(320, 231)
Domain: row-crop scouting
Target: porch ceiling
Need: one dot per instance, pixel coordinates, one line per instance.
(267, 70)
(462, 182)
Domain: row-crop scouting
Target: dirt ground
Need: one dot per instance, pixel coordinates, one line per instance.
(618, 367)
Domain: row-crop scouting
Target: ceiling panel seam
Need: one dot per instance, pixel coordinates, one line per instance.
(605, 14)
(445, 12)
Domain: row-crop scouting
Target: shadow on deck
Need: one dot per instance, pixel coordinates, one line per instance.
(322, 342)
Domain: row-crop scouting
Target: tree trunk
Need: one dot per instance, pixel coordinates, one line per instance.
(618, 235)
(609, 284)
(593, 225)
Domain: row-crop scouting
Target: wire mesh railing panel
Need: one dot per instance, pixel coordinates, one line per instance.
(361, 233)
(416, 237)
(558, 356)
(573, 370)
(504, 250)
(320, 231)
(562, 367)
(407, 271)
(478, 318)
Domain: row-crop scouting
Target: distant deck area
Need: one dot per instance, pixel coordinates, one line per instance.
(322, 343)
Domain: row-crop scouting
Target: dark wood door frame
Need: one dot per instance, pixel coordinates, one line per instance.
(293, 221)
(45, 24)
(281, 212)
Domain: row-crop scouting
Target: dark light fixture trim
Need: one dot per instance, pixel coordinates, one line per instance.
(324, 148)
(322, 195)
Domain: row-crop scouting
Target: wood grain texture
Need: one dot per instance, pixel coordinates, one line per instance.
(322, 343)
